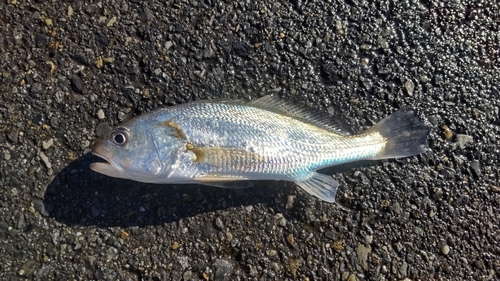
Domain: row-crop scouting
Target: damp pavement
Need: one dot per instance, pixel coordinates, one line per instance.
(71, 69)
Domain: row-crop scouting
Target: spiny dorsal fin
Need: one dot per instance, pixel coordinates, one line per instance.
(303, 113)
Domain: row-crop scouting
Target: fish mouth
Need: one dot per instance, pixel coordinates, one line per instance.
(107, 166)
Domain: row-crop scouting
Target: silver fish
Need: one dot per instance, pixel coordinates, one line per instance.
(224, 142)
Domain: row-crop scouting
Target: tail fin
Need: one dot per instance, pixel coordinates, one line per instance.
(405, 132)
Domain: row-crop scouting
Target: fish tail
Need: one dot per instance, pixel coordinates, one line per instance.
(405, 132)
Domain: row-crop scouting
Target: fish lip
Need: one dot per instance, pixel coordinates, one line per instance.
(109, 163)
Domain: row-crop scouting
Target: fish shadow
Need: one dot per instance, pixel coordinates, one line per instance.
(80, 196)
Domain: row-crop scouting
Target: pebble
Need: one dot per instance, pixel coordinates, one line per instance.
(27, 268)
(41, 40)
(187, 275)
(362, 253)
(218, 223)
(223, 269)
(6, 155)
(281, 220)
(352, 277)
(462, 140)
(445, 249)
(47, 144)
(409, 86)
(81, 58)
(338, 245)
(100, 114)
(77, 85)
(45, 160)
(111, 253)
(448, 133)
(289, 202)
(111, 22)
(101, 39)
(476, 167)
(123, 234)
(102, 128)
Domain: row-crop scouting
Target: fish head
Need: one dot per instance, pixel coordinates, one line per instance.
(130, 151)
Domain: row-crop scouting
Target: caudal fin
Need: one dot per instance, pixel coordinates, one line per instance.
(405, 132)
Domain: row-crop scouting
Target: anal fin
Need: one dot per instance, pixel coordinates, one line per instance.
(322, 186)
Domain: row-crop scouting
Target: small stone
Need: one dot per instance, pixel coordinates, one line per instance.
(28, 268)
(462, 140)
(476, 167)
(330, 110)
(290, 240)
(249, 208)
(272, 253)
(102, 128)
(403, 269)
(281, 220)
(111, 22)
(81, 58)
(41, 40)
(218, 223)
(362, 253)
(101, 39)
(77, 85)
(123, 234)
(47, 144)
(175, 246)
(48, 21)
(122, 116)
(99, 63)
(352, 277)
(338, 245)
(111, 253)
(13, 134)
(187, 275)
(45, 160)
(253, 271)
(410, 87)
(448, 134)
(32, 208)
(223, 269)
(6, 155)
(100, 114)
(289, 202)
(369, 239)
(70, 11)
(445, 249)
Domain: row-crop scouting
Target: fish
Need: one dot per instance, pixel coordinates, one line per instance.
(229, 143)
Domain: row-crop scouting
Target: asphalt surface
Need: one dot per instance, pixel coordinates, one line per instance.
(71, 69)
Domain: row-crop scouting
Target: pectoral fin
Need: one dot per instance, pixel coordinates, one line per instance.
(322, 186)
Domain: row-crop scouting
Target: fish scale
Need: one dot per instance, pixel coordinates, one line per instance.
(219, 142)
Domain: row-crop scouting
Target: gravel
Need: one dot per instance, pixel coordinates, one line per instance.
(69, 70)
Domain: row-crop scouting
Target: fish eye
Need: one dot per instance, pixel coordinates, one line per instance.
(120, 137)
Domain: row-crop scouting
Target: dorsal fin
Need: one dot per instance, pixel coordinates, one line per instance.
(303, 113)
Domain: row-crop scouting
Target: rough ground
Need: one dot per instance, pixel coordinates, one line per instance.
(70, 69)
